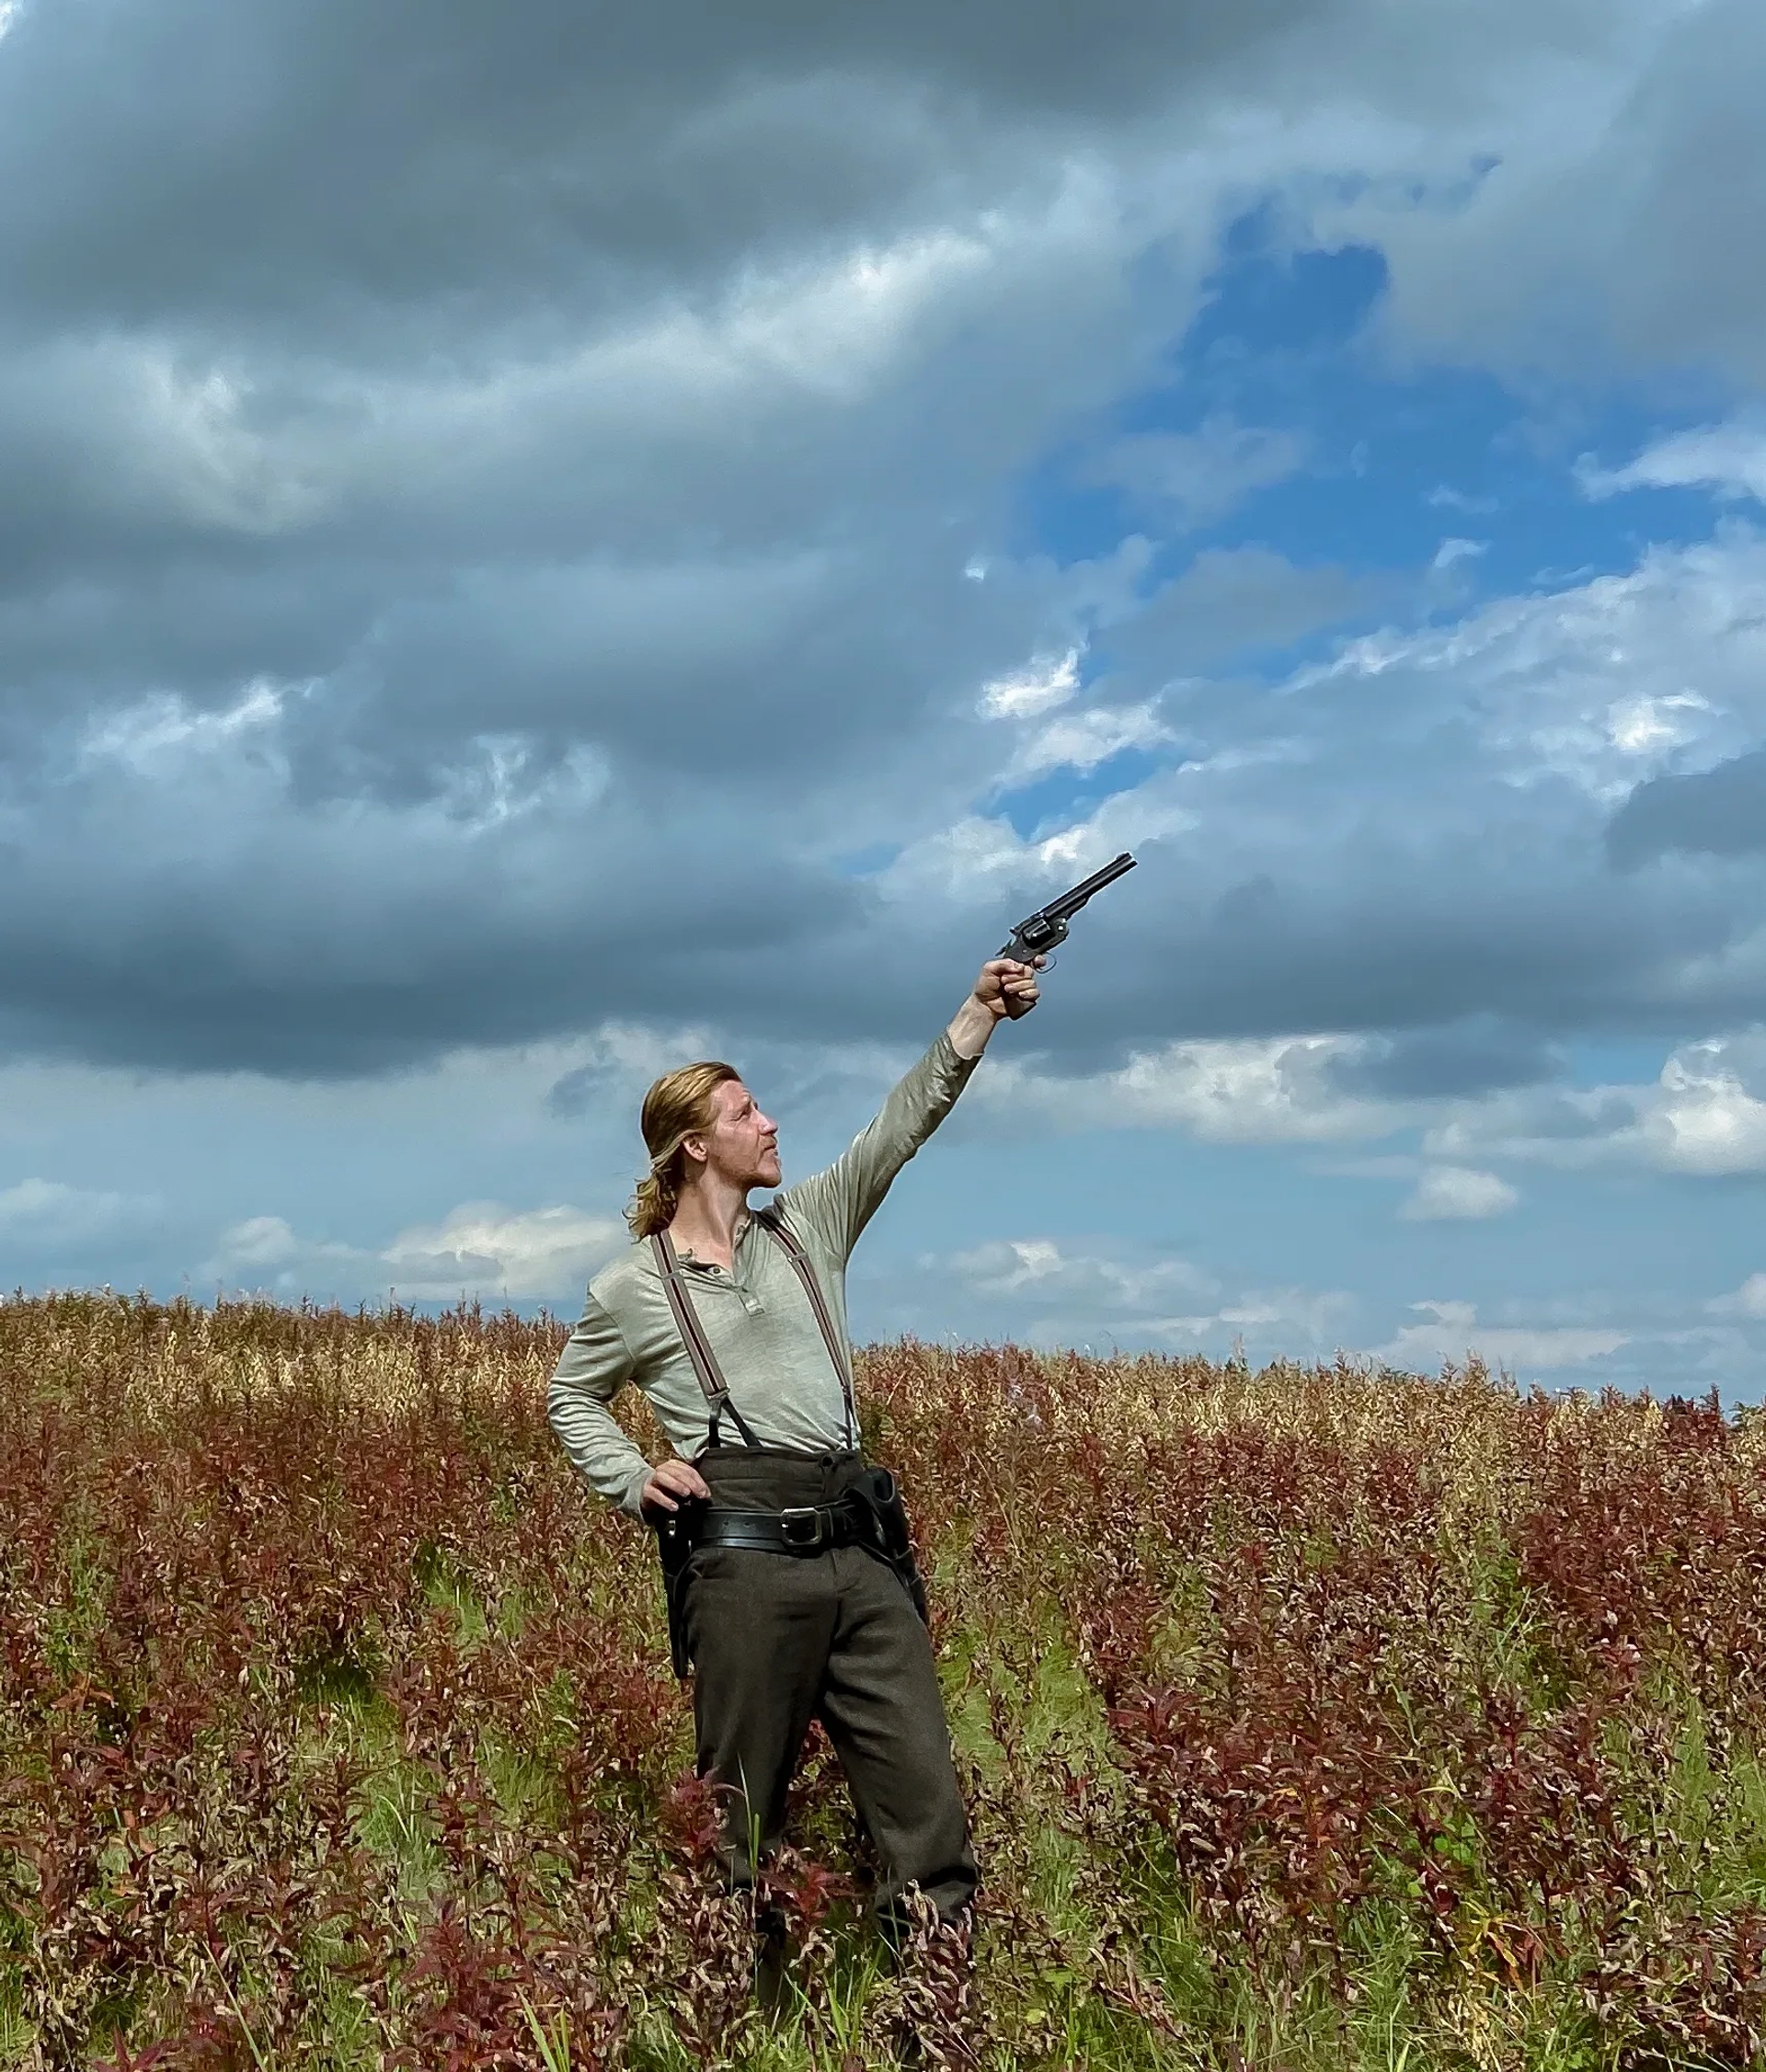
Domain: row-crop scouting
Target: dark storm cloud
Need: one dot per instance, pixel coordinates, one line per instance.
(502, 511)
(1719, 812)
(745, 673)
(1642, 246)
(199, 159)
(279, 964)
(429, 546)
(1449, 1063)
(1424, 955)
(1681, 189)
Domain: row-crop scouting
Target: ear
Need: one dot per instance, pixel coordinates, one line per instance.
(695, 1146)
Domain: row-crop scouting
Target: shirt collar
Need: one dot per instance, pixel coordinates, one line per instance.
(744, 1223)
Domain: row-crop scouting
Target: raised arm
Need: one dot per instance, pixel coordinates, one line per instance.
(834, 1206)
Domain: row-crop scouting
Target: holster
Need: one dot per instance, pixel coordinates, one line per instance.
(877, 1490)
(677, 1534)
(874, 1498)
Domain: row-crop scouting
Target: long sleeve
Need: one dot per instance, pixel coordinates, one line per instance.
(834, 1206)
(595, 1365)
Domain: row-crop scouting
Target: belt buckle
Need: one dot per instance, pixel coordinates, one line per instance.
(799, 1516)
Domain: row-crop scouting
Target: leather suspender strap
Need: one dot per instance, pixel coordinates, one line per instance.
(774, 1225)
(710, 1376)
(705, 1361)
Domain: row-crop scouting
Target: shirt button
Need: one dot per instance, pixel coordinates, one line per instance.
(750, 1305)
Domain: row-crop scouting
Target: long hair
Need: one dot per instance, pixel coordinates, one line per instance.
(676, 1108)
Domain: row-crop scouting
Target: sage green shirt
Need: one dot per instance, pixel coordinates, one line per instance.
(757, 1317)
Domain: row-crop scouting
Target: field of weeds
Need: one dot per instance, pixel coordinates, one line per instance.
(1308, 1719)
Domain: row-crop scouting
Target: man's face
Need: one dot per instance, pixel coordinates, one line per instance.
(742, 1144)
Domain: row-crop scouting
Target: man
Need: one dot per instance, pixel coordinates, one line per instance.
(727, 1318)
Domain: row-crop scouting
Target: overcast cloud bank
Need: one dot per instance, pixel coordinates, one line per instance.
(597, 538)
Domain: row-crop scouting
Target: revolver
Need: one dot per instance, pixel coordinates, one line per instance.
(1046, 927)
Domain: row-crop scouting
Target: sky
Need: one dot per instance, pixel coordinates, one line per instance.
(539, 542)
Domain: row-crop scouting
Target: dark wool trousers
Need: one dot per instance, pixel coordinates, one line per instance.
(778, 1639)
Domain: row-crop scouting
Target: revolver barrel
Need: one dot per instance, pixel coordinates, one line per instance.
(1046, 928)
(1070, 902)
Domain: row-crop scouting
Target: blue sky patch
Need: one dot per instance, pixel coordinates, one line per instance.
(1063, 795)
(1417, 471)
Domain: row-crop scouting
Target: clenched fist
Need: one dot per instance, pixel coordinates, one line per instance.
(1007, 989)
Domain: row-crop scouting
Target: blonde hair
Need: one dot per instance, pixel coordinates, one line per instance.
(677, 1107)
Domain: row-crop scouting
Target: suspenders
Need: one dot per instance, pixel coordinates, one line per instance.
(705, 1361)
(782, 1234)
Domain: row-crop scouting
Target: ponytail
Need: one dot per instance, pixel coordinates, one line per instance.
(677, 1107)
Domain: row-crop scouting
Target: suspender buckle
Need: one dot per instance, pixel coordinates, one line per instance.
(803, 1527)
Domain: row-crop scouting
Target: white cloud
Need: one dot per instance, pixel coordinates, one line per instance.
(162, 732)
(46, 1215)
(1444, 498)
(479, 1249)
(1276, 1317)
(1045, 682)
(1702, 1116)
(1704, 1120)
(264, 1240)
(1532, 678)
(1083, 741)
(1274, 1090)
(1453, 550)
(1045, 1291)
(1017, 1265)
(1452, 1334)
(1646, 725)
(1458, 1193)
(826, 332)
(1748, 1301)
(836, 327)
(975, 862)
(1730, 459)
(524, 1255)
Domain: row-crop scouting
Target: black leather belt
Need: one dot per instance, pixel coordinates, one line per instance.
(805, 1529)
(870, 1515)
